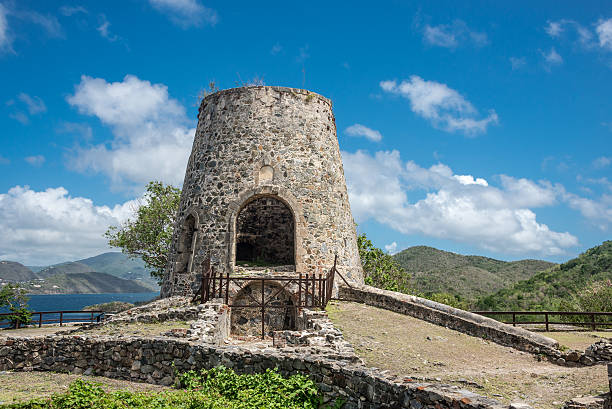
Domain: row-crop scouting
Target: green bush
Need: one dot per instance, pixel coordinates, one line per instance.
(218, 388)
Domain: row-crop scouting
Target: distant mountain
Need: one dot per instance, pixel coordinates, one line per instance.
(69, 267)
(13, 272)
(120, 265)
(84, 283)
(436, 271)
(547, 289)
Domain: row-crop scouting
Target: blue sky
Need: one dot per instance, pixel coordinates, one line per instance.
(478, 127)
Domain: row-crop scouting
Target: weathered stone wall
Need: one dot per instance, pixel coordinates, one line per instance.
(453, 318)
(154, 361)
(256, 142)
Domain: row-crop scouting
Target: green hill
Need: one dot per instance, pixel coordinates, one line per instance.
(547, 289)
(69, 267)
(469, 277)
(13, 272)
(84, 283)
(120, 265)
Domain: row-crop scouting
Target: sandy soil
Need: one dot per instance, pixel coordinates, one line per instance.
(410, 347)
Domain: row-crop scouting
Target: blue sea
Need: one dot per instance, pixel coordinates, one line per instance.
(76, 302)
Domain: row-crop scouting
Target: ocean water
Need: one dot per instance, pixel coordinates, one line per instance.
(76, 302)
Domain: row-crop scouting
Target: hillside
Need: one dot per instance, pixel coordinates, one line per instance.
(14, 272)
(84, 283)
(64, 268)
(120, 265)
(547, 289)
(470, 277)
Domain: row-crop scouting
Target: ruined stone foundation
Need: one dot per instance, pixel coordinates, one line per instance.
(264, 187)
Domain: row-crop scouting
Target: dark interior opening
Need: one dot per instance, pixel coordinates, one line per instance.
(265, 232)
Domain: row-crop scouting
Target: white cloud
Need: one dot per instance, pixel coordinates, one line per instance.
(5, 38)
(552, 57)
(604, 33)
(554, 28)
(598, 212)
(444, 107)
(50, 226)
(362, 130)
(72, 10)
(36, 160)
(276, 48)
(34, 104)
(517, 62)
(462, 208)
(452, 35)
(602, 162)
(440, 35)
(103, 29)
(152, 139)
(20, 117)
(186, 13)
(391, 248)
(48, 22)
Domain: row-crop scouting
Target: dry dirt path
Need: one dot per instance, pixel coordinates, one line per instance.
(410, 347)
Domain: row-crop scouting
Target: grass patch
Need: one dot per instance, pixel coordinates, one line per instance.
(218, 388)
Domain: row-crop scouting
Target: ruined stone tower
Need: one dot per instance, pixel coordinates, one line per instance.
(264, 186)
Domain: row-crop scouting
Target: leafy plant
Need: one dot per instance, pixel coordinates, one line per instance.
(218, 388)
(150, 235)
(15, 299)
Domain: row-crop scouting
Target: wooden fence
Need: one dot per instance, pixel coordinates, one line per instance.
(60, 317)
(588, 318)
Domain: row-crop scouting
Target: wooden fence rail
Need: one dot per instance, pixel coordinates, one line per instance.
(91, 316)
(590, 322)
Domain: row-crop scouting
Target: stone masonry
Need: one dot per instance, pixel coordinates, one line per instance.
(263, 142)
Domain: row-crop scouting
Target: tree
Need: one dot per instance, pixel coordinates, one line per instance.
(14, 297)
(380, 269)
(149, 236)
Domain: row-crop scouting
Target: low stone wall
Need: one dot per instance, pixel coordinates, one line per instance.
(154, 360)
(453, 318)
(165, 309)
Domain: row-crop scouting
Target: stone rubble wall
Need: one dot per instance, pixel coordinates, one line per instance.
(165, 309)
(317, 332)
(453, 318)
(600, 351)
(155, 360)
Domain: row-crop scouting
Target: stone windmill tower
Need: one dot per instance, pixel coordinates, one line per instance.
(264, 186)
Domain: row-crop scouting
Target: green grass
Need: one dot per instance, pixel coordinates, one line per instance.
(218, 388)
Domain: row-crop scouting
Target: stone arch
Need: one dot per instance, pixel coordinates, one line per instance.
(186, 244)
(246, 321)
(275, 192)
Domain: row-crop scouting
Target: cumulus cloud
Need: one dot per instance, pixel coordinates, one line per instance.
(452, 35)
(36, 160)
(462, 208)
(152, 137)
(604, 33)
(391, 248)
(186, 13)
(362, 130)
(50, 226)
(444, 107)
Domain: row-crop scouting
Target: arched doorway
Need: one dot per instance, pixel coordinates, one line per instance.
(186, 245)
(265, 233)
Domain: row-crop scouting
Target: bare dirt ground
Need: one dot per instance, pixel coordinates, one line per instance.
(410, 347)
(577, 340)
(35, 331)
(23, 386)
(135, 328)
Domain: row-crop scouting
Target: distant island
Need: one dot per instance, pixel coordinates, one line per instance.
(111, 272)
